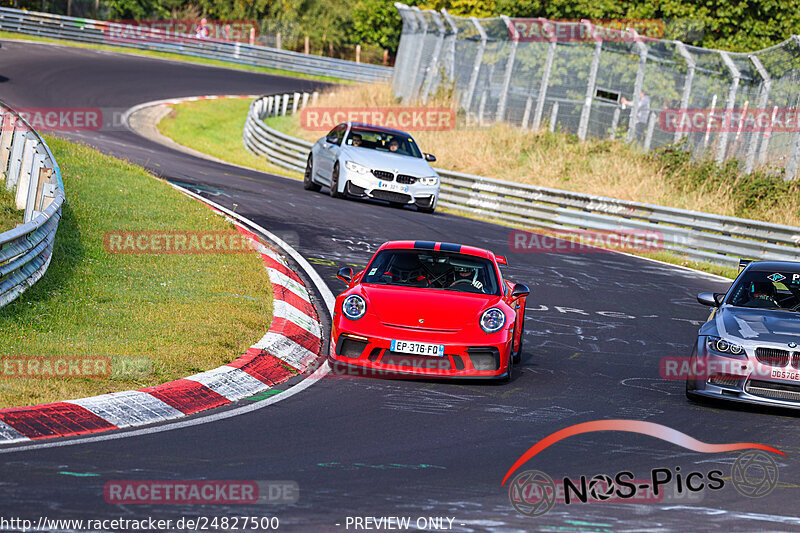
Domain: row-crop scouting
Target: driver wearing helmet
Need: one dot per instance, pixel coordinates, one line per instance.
(465, 275)
(762, 294)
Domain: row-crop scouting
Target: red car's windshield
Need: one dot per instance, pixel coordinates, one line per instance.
(434, 270)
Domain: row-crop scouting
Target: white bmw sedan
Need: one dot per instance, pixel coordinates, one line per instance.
(365, 161)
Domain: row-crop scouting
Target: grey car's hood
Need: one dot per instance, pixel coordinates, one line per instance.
(759, 324)
(400, 164)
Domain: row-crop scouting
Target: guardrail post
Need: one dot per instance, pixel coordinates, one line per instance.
(548, 67)
(33, 185)
(731, 102)
(45, 191)
(763, 96)
(295, 102)
(284, 104)
(512, 55)
(637, 85)
(687, 83)
(583, 125)
(314, 97)
(554, 117)
(17, 146)
(9, 122)
(25, 169)
(432, 72)
(476, 65)
(305, 99)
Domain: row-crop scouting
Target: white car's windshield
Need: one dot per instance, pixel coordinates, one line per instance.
(383, 141)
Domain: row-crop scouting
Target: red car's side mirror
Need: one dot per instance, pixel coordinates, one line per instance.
(520, 290)
(345, 274)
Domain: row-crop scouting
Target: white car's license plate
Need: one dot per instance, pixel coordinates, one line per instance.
(390, 186)
(783, 374)
(418, 348)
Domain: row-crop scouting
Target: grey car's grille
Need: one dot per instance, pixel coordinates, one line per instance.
(778, 391)
(796, 360)
(405, 180)
(726, 380)
(772, 356)
(383, 175)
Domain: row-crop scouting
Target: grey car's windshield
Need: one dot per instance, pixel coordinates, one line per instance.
(433, 270)
(767, 290)
(383, 141)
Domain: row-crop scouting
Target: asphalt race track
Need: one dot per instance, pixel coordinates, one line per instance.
(597, 326)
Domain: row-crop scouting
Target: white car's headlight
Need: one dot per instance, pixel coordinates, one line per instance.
(430, 180)
(354, 307)
(493, 320)
(355, 167)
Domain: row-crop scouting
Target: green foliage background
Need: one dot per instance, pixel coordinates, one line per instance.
(736, 25)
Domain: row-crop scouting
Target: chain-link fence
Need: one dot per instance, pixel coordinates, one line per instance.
(605, 83)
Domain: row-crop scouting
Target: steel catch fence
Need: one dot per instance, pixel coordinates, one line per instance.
(573, 76)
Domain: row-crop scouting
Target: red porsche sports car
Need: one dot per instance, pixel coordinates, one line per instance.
(430, 309)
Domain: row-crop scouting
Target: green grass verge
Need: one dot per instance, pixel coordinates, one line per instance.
(157, 317)
(10, 216)
(174, 57)
(193, 124)
(215, 127)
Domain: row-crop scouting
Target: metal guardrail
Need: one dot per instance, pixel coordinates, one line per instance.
(698, 236)
(29, 170)
(115, 34)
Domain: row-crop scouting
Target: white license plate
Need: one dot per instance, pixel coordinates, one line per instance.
(783, 374)
(391, 186)
(418, 348)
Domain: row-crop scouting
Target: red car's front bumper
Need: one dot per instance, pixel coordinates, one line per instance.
(465, 356)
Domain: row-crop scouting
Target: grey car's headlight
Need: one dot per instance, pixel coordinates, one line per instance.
(354, 307)
(355, 167)
(430, 180)
(493, 320)
(720, 345)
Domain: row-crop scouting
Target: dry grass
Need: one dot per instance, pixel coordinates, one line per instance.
(561, 161)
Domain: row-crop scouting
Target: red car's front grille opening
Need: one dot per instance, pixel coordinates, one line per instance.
(484, 358)
(349, 347)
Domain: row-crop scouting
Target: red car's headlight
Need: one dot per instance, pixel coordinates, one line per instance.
(354, 307)
(493, 320)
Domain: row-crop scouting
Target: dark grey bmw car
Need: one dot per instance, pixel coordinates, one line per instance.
(749, 349)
